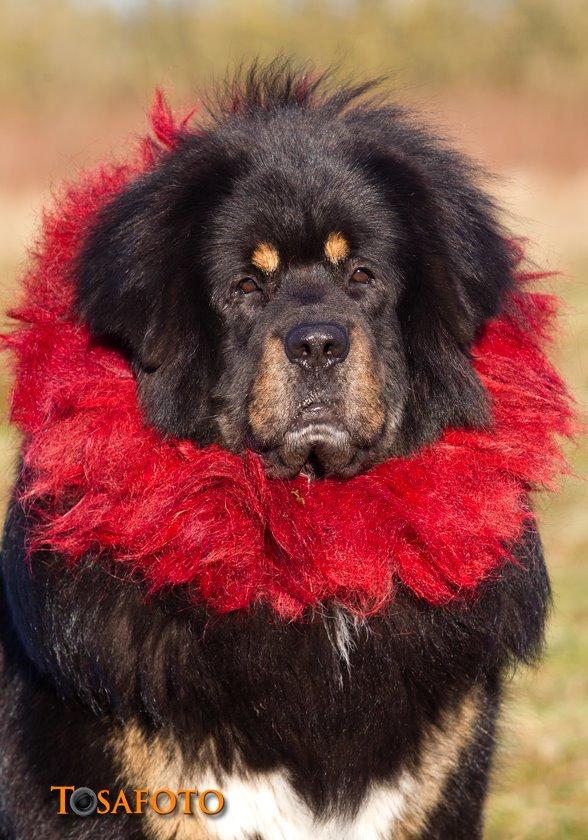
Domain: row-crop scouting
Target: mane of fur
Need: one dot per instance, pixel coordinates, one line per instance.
(99, 479)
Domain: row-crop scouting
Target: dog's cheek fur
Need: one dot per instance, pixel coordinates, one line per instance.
(456, 266)
(271, 404)
(362, 388)
(141, 285)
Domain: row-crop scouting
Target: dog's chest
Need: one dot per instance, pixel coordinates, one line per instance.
(267, 806)
(257, 805)
(270, 806)
(315, 731)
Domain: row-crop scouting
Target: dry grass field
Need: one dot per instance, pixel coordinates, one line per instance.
(530, 128)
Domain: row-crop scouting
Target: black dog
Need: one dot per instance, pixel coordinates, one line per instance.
(304, 279)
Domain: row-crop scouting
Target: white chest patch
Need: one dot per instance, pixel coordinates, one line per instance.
(265, 804)
(261, 805)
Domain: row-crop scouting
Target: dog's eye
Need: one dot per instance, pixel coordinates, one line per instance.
(362, 275)
(248, 285)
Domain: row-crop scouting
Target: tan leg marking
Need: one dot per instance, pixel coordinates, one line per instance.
(441, 751)
(154, 763)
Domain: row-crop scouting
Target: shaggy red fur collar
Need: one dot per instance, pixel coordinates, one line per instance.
(440, 521)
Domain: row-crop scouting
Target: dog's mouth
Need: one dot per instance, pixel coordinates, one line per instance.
(317, 444)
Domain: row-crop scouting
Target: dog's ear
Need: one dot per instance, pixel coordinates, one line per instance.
(141, 285)
(456, 265)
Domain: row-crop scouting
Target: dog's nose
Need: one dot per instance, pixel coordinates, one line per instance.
(317, 345)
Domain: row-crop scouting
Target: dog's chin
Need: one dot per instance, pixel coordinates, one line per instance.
(317, 444)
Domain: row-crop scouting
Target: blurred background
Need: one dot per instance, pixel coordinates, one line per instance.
(507, 80)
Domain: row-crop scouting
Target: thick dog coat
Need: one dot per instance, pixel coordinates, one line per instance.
(283, 397)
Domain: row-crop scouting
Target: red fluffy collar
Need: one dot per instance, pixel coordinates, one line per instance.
(440, 521)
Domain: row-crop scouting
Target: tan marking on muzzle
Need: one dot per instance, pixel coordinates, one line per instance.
(265, 257)
(441, 752)
(336, 248)
(271, 391)
(364, 407)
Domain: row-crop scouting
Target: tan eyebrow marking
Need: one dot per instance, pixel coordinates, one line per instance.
(336, 248)
(265, 257)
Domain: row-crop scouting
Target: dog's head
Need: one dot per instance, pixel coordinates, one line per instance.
(304, 277)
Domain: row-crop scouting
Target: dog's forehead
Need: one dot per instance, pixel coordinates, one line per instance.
(268, 257)
(298, 197)
(283, 213)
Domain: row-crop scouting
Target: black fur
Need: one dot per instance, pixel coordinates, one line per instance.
(274, 693)
(159, 269)
(86, 651)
